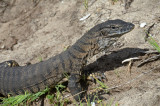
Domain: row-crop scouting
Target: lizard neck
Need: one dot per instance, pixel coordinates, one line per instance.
(88, 46)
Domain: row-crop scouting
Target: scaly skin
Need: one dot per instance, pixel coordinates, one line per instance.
(36, 77)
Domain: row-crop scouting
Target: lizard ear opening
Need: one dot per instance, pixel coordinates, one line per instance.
(104, 32)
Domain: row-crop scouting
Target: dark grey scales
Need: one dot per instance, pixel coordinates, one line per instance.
(35, 77)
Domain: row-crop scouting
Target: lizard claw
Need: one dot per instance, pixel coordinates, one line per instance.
(98, 75)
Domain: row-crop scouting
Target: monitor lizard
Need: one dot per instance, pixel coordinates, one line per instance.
(36, 77)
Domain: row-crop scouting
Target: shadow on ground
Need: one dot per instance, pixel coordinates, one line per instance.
(114, 59)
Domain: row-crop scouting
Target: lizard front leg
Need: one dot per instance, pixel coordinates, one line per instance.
(74, 86)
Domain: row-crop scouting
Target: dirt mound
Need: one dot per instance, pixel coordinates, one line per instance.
(30, 30)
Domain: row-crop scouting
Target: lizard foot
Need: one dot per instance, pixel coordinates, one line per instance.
(75, 86)
(9, 63)
(97, 76)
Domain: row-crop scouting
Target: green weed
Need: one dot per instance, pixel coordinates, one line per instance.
(27, 98)
(40, 59)
(85, 4)
(22, 99)
(102, 85)
(66, 47)
(117, 104)
(153, 42)
(57, 98)
(117, 73)
(114, 0)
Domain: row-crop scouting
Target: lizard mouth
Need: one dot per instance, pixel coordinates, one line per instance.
(128, 28)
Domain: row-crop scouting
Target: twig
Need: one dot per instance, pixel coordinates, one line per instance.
(153, 58)
(148, 31)
(129, 66)
(130, 59)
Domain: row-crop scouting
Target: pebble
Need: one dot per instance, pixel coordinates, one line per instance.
(84, 17)
(142, 25)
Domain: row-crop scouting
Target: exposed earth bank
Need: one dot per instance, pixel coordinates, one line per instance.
(35, 30)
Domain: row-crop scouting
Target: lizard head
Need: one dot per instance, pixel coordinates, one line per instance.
(115, 28)
(110, 31)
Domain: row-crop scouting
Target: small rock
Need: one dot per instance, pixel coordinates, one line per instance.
(84, 17)
(2, 47)
(93, 104)
(142, 25)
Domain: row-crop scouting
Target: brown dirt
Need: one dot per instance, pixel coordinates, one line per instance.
(41, 29)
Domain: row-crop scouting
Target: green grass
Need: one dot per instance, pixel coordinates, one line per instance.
(40, 59)
(22, 99)
(117, 72)
(153, 42)
(28, 98)
(117, 104)
(57, 98)
(66, 47)
(85, 4)
(102, 85)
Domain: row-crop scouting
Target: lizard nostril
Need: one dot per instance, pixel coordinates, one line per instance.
(131, 26)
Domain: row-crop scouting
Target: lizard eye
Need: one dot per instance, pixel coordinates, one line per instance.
(113, 27)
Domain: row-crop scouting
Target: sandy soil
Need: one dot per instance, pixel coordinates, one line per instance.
(39, 29)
